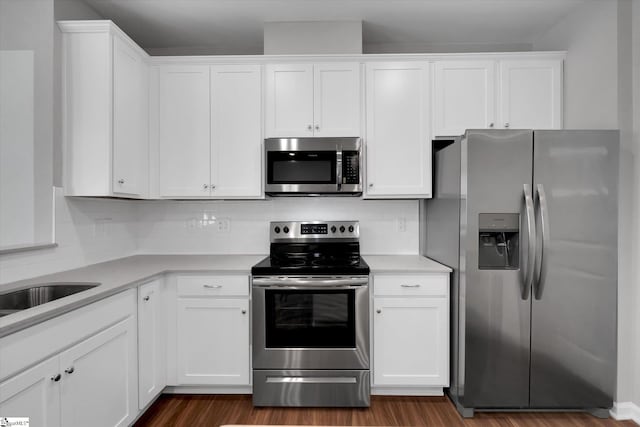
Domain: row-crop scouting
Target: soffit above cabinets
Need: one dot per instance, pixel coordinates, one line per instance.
(230, 27)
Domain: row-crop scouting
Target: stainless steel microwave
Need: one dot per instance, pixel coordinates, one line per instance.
(313, 166)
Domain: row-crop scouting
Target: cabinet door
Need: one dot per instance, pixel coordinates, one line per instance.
(151, 344)
(398, 146)
(130, 127)
(464, 96)
(99, 380)
(236, 131)
(33, 393)
(531, 94)
(336, 99)
(289, 100)
(411, 342)
(213, 341)
(184, 139)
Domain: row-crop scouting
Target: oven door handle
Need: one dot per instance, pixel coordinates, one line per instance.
(345, 283)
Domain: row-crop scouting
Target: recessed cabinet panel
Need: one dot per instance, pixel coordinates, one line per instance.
(34, 393)
(337, 99)
(152, 350)
(236, 131)
(531, 94)
(411, 342)
(464, 96)
(99, 379)
(398, 150)
(219, 353)
(289, 100)
(184, 137)
(130, 129)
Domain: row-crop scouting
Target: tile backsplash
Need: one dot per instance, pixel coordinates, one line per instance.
(94, 230)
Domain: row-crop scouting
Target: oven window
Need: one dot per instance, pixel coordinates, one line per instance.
(301, 167)
(310, 318)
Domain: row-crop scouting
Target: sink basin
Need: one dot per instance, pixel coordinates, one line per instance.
(22, 299)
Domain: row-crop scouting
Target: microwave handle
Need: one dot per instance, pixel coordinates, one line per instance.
(339, 169)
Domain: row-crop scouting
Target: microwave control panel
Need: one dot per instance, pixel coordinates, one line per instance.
(350, 167)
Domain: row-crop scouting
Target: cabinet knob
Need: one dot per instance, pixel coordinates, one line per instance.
(146, 298)
(490, 125)
(213, 186)
(317, 127)
(121, 181)
(244, 311)
(56, 378)
(69, 370)
(205, 186)
(378, 311)
(371, 185)
(506, 125)
(309, 127)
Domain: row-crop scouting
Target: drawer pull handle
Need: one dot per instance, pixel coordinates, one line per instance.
(213, 286)
(410, 286)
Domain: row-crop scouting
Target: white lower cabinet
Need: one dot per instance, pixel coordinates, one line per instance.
(34, 393)
(152, 350)
(99, 379)
(92, 383)
(411, 333)
(213, 343)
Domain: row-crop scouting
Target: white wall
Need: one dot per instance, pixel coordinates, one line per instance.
(87, 231)
(181, 227)
(635, 48)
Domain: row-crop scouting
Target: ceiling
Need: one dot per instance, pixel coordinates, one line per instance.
(236, 26)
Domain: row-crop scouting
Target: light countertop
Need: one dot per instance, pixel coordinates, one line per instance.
(124, 273)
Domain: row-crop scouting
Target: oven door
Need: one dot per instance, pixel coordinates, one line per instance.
(310, 323)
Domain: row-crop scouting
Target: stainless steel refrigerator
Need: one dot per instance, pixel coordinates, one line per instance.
(528, 220)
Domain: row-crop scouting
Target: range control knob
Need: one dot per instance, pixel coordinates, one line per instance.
(286, 229)
(333, 228)
(351, 229)
(277, 229)
(342, 228)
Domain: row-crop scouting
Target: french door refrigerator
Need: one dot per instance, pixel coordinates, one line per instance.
(528, 222)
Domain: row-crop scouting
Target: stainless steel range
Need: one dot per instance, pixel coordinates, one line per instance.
(311, 317)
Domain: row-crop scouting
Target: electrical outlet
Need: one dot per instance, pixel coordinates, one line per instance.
(401, 223)
(224, 225)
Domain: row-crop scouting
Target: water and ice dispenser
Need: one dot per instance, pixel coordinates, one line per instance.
(499, 241)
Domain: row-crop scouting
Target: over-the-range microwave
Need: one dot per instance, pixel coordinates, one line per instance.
(313, 166)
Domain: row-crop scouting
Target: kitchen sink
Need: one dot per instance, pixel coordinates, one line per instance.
(22, 299)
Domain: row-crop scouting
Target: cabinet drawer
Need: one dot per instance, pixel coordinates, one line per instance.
(432, 285)
(211, 286)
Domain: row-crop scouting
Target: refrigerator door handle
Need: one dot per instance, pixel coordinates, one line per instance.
(541, 264)
(527, 275)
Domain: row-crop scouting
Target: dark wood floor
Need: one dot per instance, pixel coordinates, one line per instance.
(215, 410)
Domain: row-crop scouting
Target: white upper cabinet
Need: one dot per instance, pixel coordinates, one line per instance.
(464, 96)
(105, 111)
(522, 94)
(398, 143)
(236, 131)
(531, 94)
(130, 120)
(313, 100)
(183, 131)
(210, 131)
(289, 100)
(336, 99)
